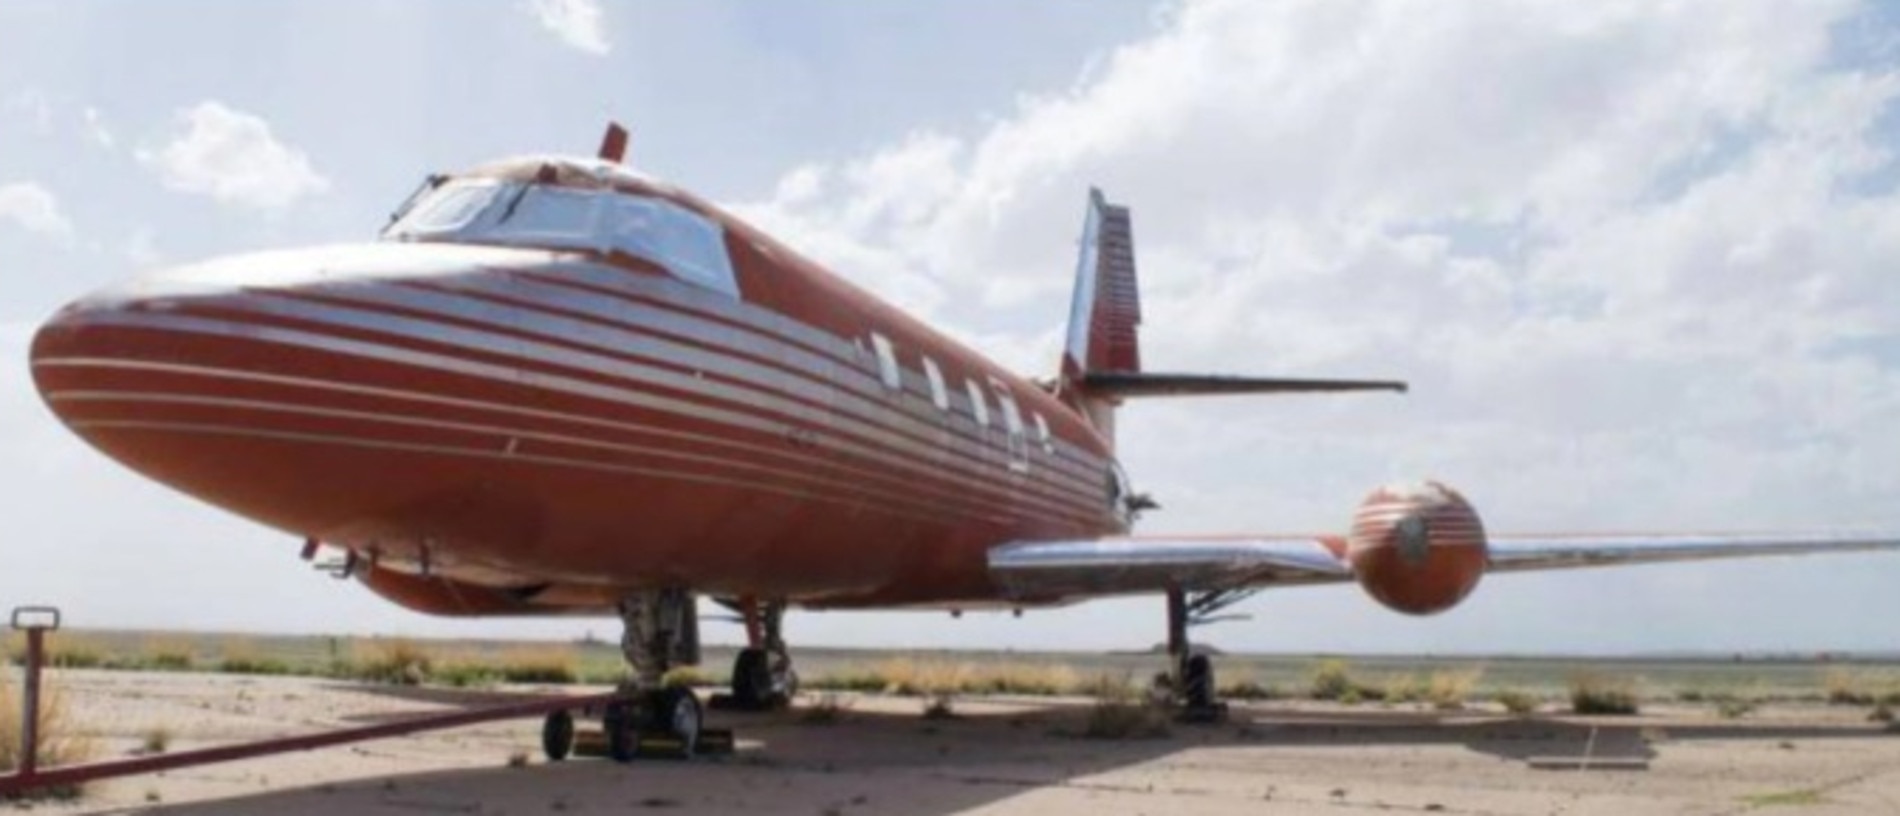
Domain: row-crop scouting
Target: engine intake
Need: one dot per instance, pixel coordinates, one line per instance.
(1417, 548)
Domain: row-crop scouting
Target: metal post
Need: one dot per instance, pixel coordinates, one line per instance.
(36, 621)
(1177, 624)
(30, 705)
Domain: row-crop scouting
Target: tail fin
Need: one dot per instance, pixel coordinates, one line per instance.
(1101, 364)
(1105, 314)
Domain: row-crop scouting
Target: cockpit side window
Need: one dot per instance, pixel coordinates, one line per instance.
(686, 243)
(449, 207)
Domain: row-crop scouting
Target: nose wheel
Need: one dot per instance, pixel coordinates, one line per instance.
(664, 723)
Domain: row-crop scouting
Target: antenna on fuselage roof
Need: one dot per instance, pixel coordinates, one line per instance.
(613, 145)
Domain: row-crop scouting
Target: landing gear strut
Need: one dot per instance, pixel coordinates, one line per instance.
(762, 675)
(1193, 674)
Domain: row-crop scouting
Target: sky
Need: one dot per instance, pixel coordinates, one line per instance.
(1637, 260)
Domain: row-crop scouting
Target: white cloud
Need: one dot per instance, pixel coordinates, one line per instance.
(233, 157)
(577, 22)
(1625, 256)
(34, 209)
(96, 131)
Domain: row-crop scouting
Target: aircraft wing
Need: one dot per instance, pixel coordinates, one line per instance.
(1131, 564)
(1070, 569)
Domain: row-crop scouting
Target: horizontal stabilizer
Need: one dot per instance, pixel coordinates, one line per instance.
(1122, 384)
(1546, 552)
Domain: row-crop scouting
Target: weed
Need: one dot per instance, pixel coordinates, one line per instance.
(518, 759)
(1331, 680)
(1448, 688)
(396, 661)
(1403, 688)
(1593, 693)
(940, 707)
(1846, 687)
(237, 655)
(1124, 715)
(542, 664)
(1247, 688)
(59, 742)
(826, 709)
(155, 740)
(687, 677)
(463, 673)
(915, 677)
(1517, 702)
(1799, 797)
(1734, 706)
(167, 654)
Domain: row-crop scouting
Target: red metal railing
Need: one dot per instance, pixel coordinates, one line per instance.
(37, 621)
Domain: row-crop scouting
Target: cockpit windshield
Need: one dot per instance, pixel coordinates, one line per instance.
(488, 211)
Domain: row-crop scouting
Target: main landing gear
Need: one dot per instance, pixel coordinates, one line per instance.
(762, 675)
(647, 718)
(1192, 680)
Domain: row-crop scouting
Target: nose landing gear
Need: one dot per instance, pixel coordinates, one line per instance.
(647, 718)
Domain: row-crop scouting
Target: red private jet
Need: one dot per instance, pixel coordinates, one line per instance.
(558, 386)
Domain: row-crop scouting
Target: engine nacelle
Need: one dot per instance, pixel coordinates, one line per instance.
(1417, 548)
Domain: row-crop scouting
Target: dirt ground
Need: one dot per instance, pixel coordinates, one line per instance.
(1019, 755)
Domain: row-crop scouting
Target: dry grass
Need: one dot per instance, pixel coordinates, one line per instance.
(1864, 688)
(1332, 679)
(1593, 693)
(1448, 689)
(66, 650)
(1123, 714)
(922, 677)
(59, 740)
(1517, 702)
(155, 740)
(241, 655)
(167, 654)
(554, 664)
(397, 661)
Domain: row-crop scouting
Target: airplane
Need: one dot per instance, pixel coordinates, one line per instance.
(556, 385)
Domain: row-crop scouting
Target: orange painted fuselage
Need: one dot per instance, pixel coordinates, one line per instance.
(523, 430)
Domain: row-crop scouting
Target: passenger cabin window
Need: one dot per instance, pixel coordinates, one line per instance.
(686, 244)
(978, 411)
(938, 396)
(887, 362)
(1042, 435)
(1013, 424)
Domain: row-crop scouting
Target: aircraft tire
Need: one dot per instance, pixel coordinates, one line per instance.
(557, 735)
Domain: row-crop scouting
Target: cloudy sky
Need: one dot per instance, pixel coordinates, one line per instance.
(1640, 261)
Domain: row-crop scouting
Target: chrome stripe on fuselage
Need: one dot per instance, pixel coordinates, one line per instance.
(736, 382)
(739, 416)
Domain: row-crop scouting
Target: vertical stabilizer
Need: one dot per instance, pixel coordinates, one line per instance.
(1105, 315)
(1105, 312)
